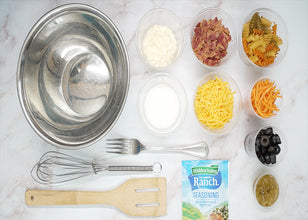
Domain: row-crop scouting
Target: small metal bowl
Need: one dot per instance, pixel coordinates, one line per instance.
(73, 76)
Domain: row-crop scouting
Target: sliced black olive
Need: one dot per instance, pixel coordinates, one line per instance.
(258, 149)
(273, 140)
(273, 158)
(277, 149)
(271, 149)
(258, 142)
(261, 132)
(268, 131)
(267, 158)
(261, 158)
(263, 150)
(278, 141)
(265, 141)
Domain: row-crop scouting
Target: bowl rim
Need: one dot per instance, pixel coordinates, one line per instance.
(230, 54)
(240, 44)
(19, 75)
(180, 46)
(236, 116)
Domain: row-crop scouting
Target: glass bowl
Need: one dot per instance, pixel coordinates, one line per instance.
(250, 108)
(162, 17)
(236, 102)
(162, 104)
(250, 146)
(282, 32)
(211, 13)
(267, 208)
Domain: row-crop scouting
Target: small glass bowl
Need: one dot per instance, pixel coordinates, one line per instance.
(211, 13)
(282, 32)
(164, 17)
(264, 208)
(248, 103)
(250, 146)
(156, 80)
(236, 102)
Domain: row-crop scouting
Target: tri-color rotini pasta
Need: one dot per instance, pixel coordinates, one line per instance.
(260, 40)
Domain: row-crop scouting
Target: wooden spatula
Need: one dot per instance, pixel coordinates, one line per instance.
(135, 197)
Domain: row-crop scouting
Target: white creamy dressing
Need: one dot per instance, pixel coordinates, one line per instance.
(159, 46)
(161, 106)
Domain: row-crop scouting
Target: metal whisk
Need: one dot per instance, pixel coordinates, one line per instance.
(55, 167)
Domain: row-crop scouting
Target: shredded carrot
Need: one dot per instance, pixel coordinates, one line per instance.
(263, 98)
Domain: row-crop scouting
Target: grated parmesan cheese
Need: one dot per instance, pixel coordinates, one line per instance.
(159, 46)
(214, 103)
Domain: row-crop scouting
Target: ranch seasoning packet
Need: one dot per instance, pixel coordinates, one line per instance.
(205, 190)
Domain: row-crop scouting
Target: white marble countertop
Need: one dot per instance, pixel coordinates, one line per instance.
(21, 147)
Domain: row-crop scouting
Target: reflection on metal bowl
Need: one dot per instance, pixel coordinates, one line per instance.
(73, 76)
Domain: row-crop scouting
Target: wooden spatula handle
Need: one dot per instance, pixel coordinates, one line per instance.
(48, 197)
(135, 197)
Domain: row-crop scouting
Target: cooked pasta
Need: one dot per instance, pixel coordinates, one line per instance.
(271, 54)
(254, 58)
(274, 29)
(259, 54)
(257, 32)
(277, 40)
(268, 38)
(270, 47)
(245, 46)
(261, 49)
(266, 22)
(253, 37)
(245, 30)
(253, 22)
(260, 40)
(258, 43)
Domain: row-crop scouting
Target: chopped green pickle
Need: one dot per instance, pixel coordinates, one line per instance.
(267, 190)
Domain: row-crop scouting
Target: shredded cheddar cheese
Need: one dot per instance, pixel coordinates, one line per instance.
(214, 103)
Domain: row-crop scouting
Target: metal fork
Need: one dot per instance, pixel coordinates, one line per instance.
(133, 146)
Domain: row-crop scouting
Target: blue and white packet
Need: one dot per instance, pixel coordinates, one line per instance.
(205, 189)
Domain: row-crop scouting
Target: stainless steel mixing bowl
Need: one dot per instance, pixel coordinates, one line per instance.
(73, 76)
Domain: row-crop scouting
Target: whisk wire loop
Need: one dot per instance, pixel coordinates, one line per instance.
(55, 167)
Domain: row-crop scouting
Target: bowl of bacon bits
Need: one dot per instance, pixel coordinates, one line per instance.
(264, 38)
(213, 37)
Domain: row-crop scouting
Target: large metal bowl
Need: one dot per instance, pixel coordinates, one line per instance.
(73, 76)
